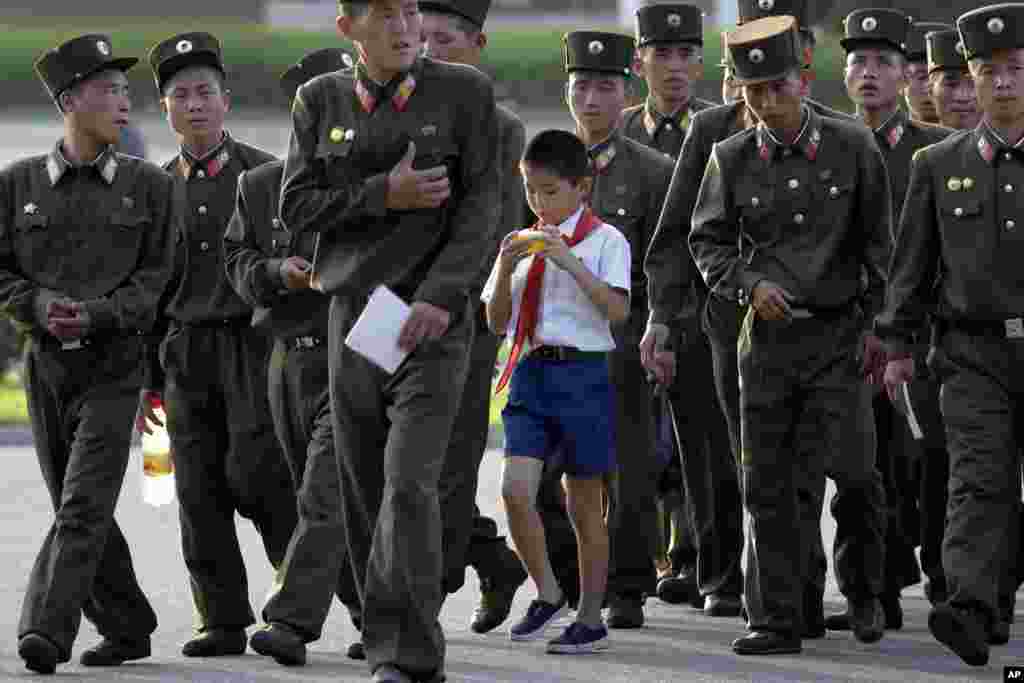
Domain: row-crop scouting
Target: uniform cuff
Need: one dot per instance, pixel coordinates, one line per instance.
(375, 190)
(453, 302)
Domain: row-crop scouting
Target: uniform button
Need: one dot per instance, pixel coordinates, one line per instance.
(621, 212)
(1010, 225)
(200, 174)
(1008, 156)
(833, 191)
(202, 209)
(205, 246)
(798, 218)
(786, 153)
(958, 212)
(793, 183)
(276, 222)
(754, 201)
(1007, 188)
(668, 155)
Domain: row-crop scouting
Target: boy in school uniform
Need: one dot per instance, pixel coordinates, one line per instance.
(560, 292)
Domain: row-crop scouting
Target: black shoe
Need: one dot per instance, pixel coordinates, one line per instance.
(999, 632)
(216, 642)
(39, 652)
(868, 621)
(280, 642)
(109, 652)
(893, 612)
(625, 611)
(962, 631)
(936, 592)
(722, 605)
(496, 596)
(767, 643)
(678, 589)
(356, 651)
(814, 615)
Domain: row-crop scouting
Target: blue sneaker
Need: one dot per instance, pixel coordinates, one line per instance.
(578, 639)
(538, 617)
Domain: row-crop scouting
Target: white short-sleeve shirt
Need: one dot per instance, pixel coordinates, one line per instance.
(567, 316)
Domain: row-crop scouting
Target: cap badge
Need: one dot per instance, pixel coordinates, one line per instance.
(346, 59)
(596, 47)
(996, 26)
(102, 46)
(954, 184)
(756, 56)
(184, 46)
(869, 24)
(766, 5)
(674, 20)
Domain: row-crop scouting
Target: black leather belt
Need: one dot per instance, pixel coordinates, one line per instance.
(50, 342)
(563, 353)
(307, 342)
(222, 323)
(1011, 328)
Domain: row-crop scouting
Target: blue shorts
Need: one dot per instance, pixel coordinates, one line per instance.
(564, 405)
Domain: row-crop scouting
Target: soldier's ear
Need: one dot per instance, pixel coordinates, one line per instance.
(66, 102)
(481, 40)
(344, 24)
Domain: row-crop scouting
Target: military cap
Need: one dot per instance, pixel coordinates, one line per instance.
(916, 51)
(945, 51)
(182, 51)
(72, 62)
(751, 10)
(474, 10)
(888, 27)
(312, 65)
(598, 51)
(669, 24)
(765, 49)
(990, 28)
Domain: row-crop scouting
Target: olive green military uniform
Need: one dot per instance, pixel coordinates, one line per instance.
(663, 132)
(807, 217)
(227, 458)
(100, 234)
(916, 52)
(392, 431)
(961, 228)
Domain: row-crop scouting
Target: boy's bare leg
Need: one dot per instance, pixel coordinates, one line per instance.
(520, 483)
(585, 510)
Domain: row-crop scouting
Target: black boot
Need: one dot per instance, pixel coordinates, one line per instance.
(962, 630)
(767, 643)
(216, 642)
(110, 652)
(280, 642)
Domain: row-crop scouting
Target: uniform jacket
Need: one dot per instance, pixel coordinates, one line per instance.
(641, 123)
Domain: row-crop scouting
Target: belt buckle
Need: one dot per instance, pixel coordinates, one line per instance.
(73, 345)
(1014, 328)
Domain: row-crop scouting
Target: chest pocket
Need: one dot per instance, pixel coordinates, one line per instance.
(755, 204)
(961, 221)
(34, 243)
(333, 161)
(124, 237)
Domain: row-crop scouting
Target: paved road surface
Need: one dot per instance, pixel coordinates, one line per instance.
(677, 645)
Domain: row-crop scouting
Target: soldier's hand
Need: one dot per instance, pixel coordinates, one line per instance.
(872, 359)
(425, 321)
(898, 371)
(771, 301)
(659, 362)
(47, 304)
(68, 320)
(295, 272)
(148, 403)
(412, 189)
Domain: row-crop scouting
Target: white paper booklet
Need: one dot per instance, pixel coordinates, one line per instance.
(375, 334)
(905, 406)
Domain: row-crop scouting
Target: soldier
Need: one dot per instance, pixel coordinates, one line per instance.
(875, 75)
(227, 458)
(958, 255)
(920, 105)
(454, 33)
(670, 40)
(675, 292)
(270, 271)
(950, 85)
(630, 183)
(395, 165)
(87, 240)
(789, 215)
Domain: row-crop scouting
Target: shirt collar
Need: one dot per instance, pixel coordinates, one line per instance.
(399, 89)
(603, 153)
(105, 164)
(892, 130)
(654, 120)
(568, 226)
(212, 163)
(991, 144)
(808, 141)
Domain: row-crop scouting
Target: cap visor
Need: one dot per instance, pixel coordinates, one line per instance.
(739, 80)
(851, 44)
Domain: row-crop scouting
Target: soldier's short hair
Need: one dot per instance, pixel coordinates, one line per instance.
(560, 153)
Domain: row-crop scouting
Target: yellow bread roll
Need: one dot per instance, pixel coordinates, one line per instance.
(537, 237)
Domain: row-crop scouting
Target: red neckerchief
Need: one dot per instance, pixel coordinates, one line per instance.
(529, 308)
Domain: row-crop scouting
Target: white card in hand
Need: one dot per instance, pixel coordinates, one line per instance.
(375, 334)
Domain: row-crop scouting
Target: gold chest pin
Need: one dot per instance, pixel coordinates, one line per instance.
(954, 184)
